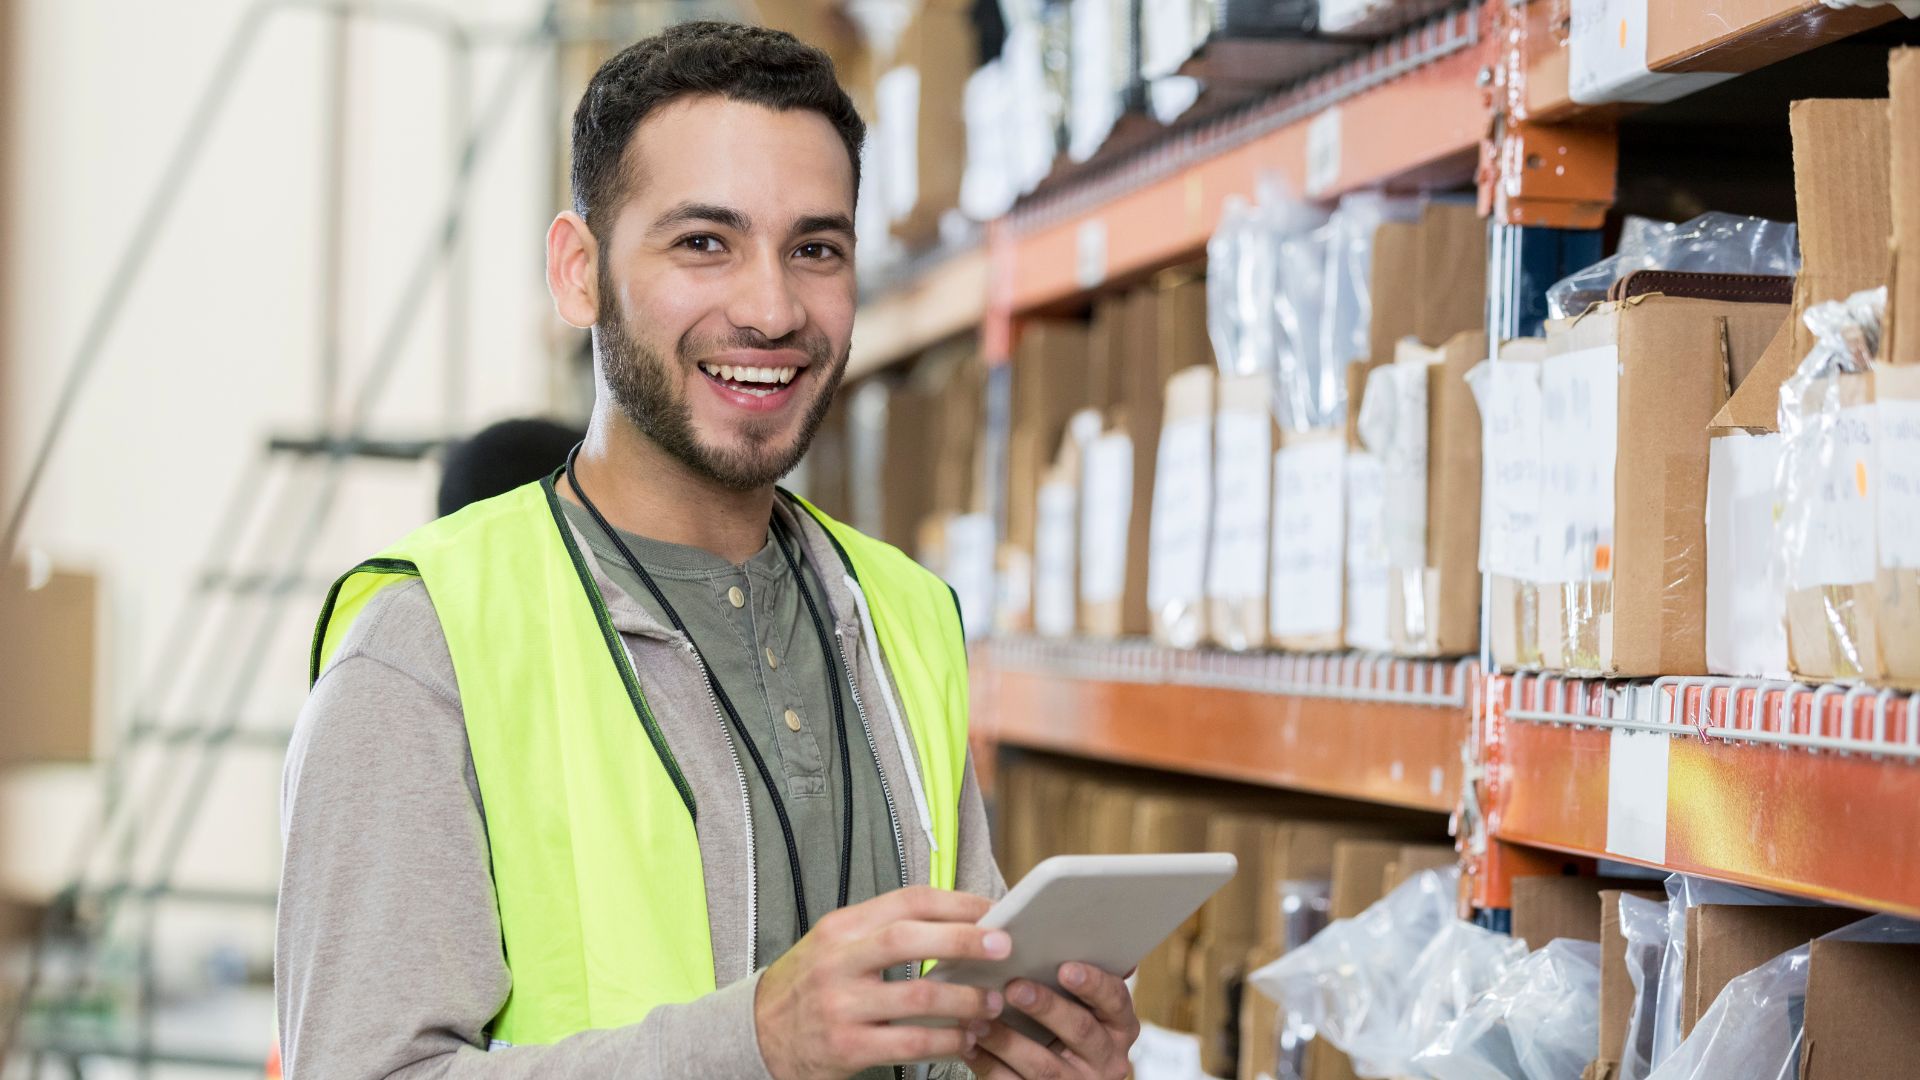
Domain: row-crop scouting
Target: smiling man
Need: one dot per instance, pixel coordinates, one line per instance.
(650, 769)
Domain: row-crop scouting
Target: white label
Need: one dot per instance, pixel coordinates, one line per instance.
(1834, 483)
(1366, 554)
(1159, 1054)
(1746, 613)
(1106, 505)
(1898, 493)
(1090, 253)
(1607, 57)
(1510, 444)
(1053, 613)
(1404, 467)
(1237, 562)
(897, 99)
(1323, 151)
(1168, 40)
(970, 570)
(1579, 416)
(1637, 795)
(1182, 513)
(1308, 546)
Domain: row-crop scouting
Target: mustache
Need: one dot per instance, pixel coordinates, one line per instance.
(814, 345)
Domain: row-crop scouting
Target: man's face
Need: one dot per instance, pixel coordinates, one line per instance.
(727, 285)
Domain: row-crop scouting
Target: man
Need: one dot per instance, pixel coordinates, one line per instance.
(650, 770)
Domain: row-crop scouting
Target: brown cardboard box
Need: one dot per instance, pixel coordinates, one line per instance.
(913, 407)
(940, 44)
(962, 404)
(1863, 1008)
(49, 671)
(1902, 343)
(1434, 609)
(1725, 941)
(1395, 279)
(1049, 376)
(1414, 859)
(1639, 607)
(829, 474)
(1177, 547)
(1259, 1023)
(1897, 398)
(1547, 907)
(1359, 871)
(1617, 997)
(1241, 537)
(1452, 293)
(1169, 823)
(1833, 630)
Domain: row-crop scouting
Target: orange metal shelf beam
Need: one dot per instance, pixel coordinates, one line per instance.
(1426, 117)
(1401, 755)
(1834, 827)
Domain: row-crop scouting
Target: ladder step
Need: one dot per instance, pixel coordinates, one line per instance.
(347, 446)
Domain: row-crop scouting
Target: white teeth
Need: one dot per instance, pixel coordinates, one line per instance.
(729, 373)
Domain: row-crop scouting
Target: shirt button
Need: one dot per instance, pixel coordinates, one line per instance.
(793, 720)
(736, 597)
(772, 660)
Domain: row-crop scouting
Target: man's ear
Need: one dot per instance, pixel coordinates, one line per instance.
(573, 270)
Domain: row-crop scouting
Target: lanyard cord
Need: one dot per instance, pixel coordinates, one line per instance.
(733, 714)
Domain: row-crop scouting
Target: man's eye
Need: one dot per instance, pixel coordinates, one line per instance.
(817, 250)
(702, 243)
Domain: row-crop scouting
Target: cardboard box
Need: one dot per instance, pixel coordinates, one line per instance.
(1182, 511)
(934, 58)
(1169, 823)
(1617, 996)
(1049, 378)
(1359, 871)
(49, 669)
(1307, 612)
(1452, 293)
(1628, 392)
(1394, 279)
(1510, 503)
(1428, 436)
(1832, 623)
(1244, 435)
(1863, 1007)
(1725, 941)
(1415, 859)
(1902, 343)
(1547, 907)
(1897, 553)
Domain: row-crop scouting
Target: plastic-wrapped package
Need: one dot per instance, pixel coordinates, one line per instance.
(1826, 533)
(1714, 241)
(1240, 288)
(1381, 984)
(1753, 1030)
(1309, 388)
(1348, 312)
(1304, 905)
(1179, 530)
(1643, 923)
(1538, 1022)
(1683, 894)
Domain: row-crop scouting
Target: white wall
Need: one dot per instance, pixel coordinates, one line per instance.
(219, 344)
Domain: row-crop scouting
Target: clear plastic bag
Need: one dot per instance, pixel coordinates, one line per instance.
(1241, 267)
(1381, 984)
(1540, 1021)
(1303, 375)
(1753, 1029)
(1716, 242)
(1644, 924)
(1825, 561)
(1683, 894)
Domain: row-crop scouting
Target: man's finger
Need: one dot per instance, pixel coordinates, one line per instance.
(887, 1044)
(1021, 1057)
(900, 942)
(920, 904)
(1075, 1024)
(926, 998)
(1106, 994)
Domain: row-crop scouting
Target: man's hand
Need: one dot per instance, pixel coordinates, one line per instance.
(823, 1010)
(1092, 1039)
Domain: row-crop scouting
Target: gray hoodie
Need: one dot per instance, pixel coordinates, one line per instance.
(388, 961)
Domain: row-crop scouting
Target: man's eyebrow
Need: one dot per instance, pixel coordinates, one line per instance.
(827, 223)
(688, 213)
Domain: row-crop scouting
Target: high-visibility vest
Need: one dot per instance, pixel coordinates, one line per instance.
(590, 823)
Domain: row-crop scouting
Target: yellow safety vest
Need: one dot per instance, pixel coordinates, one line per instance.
(590, 824)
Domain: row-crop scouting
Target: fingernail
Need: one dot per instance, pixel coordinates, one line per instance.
(1023, 995)
(995, 1003)
(997, 944)
(978, 1030)
(1073, 974)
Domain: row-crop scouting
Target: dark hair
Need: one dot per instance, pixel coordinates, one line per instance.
(749, 64)
(503, 457)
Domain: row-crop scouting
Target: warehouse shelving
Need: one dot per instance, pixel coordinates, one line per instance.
(1802, 789)
(1373, 728)
(946, 298)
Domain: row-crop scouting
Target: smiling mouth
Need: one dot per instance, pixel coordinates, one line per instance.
(757, 381)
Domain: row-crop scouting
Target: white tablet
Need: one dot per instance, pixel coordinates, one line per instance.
(1105, 910)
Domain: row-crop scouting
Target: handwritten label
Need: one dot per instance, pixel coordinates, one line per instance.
(1053, 607)
(1403, 463)
(1182, 513)
(1510, 445)
(1898, 495)
(1106, 503)
(1159, 1054)
(1308, 546)
(1579, 414)
(1366, 554)
(1237, 563)
(1323, 151)
(1832, 493)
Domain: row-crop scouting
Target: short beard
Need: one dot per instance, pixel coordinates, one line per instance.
(641, 384)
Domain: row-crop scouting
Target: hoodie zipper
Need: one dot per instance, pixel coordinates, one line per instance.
(746, 811)
(886, 792)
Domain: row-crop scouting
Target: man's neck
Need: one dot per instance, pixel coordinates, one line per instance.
(643, 490)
